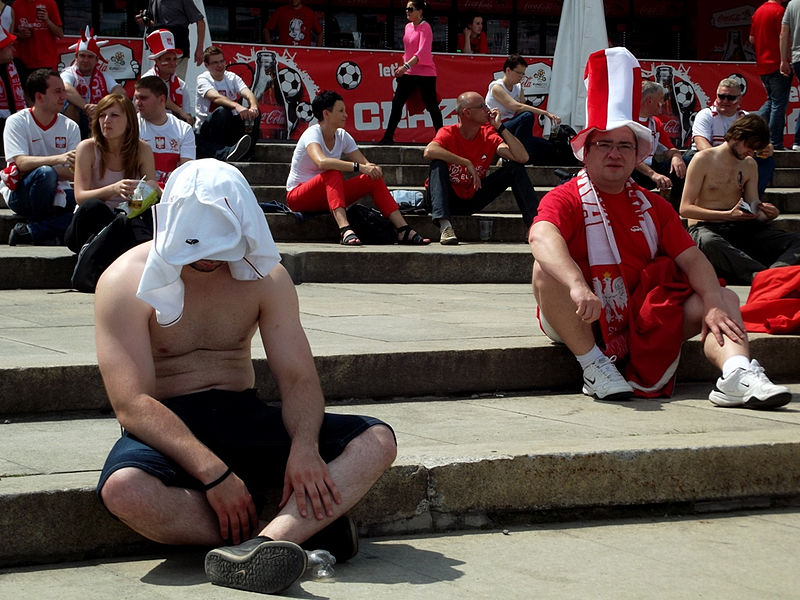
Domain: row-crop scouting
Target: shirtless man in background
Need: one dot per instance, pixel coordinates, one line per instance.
(173, 345)
(727, 220)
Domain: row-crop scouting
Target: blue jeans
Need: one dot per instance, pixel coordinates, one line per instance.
(773, 110)
(33, 199)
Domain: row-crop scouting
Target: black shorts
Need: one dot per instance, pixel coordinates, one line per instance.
(242, 431)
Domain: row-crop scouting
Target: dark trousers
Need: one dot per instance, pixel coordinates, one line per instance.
(662, 167)
(444, 201)
(93, 215)
(540, 151)
(405, 86)
(220, 131)
(740, 250)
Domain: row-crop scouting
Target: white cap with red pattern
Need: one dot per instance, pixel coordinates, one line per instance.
(161, 41)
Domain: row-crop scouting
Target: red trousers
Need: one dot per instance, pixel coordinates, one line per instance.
(329, 190)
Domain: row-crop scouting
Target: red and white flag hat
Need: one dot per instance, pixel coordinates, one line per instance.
(89, 43)
(161, 41)
(613, 81)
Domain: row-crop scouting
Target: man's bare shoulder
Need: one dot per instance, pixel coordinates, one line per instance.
(120, 281)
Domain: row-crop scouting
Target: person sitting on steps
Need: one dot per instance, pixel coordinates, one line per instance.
(316, 181)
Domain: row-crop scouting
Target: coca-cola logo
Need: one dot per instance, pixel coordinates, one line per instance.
(275, 117)
(672, 127)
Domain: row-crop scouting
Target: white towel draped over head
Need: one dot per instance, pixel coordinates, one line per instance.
(207, 212)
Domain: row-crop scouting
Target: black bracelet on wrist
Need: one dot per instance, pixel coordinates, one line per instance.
(355, 167)
(501, 129)
(218, 480)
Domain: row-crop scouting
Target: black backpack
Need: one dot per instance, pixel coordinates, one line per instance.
(370, 226)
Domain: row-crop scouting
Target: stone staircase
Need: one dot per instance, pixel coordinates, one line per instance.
(442, 343)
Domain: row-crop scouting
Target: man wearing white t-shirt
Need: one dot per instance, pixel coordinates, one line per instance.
(39, 145)
(222, 119)
(85, 83)
(171, 139)
(712, 122)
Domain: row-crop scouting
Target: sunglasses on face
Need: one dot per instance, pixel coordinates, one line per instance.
(728, 97)
(410, 9)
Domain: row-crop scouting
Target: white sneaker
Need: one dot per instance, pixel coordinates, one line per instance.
(602, 380)
(796, 147)
(750, 388)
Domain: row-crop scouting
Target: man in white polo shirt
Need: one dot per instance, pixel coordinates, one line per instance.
(171, 139)
(222, 118)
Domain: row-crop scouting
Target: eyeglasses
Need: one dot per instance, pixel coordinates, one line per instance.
(410, 9)
(607, 146)
(482, 105)
(728, 97)
(519, 72)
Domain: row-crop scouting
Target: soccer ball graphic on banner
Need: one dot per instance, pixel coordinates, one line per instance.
(304, 112)
(741, 80)
(348, 75)
(291, 84)
(684, 94)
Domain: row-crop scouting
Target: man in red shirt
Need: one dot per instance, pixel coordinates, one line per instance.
(765, 33)
(614, 266)
(38, 27)
(294, 23)
(460, 155)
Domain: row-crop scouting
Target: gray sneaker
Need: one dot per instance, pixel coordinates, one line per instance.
(603, 381)
(448, 237)
(750, 388)
(258, 565)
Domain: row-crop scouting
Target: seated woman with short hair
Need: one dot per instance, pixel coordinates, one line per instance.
(316, 181)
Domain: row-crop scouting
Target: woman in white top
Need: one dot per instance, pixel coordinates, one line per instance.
(108, 167)
(316, 181)
(505, 95)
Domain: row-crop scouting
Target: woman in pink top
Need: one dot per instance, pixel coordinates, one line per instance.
(108, 166)
(418, 73)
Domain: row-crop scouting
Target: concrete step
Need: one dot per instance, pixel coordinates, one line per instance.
(278, 152)
(655, 556)
(412, 154)
(395, 175)
(38, 267)
(369, 341)
(485, 461)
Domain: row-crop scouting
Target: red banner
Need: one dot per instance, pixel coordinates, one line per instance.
(365, 79)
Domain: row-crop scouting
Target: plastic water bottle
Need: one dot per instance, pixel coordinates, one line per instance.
(320, 564)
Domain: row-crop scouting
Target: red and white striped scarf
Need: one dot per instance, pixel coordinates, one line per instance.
(92, 89)
(16, 89)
